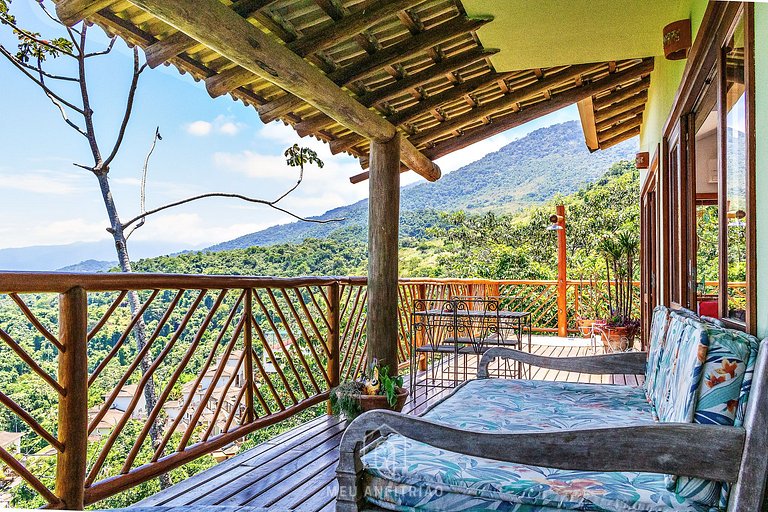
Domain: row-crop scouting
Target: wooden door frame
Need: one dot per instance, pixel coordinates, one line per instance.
(718, 23)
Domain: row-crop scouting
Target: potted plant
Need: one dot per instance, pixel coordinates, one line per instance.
(620, 253)
(376, 389)
(589, 310)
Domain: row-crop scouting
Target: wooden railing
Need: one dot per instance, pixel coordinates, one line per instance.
(115, 379)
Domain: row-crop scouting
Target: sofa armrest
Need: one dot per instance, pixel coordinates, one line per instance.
(712, 452)
(605, 364)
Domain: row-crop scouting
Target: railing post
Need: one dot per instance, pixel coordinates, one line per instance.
(248, 348)
(73, 405)
(419, 333)
(334, 322)
(562, 278)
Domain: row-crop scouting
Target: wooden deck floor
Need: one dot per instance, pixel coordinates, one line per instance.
(296, 470)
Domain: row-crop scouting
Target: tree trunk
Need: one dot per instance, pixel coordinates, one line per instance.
(139, 330)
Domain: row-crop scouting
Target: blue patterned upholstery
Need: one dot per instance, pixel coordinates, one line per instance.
(697, 372)
(409, 475)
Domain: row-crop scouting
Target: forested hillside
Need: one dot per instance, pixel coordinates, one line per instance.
(449, 244)
(526, 172)
(471, 243)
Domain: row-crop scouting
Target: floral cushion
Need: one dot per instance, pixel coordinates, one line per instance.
(700, 379)
(658, 336)
(726, 378)
(403, 474)
(675, 386)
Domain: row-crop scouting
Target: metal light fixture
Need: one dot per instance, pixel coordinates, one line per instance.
(738, 216)
(555, 223)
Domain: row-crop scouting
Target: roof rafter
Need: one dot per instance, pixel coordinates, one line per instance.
(525, 115)
(368, 64)
(179, 42)
(71, 12)
(510, 99)
(224, 31)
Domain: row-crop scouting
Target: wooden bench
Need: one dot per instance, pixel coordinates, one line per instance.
(728, 462)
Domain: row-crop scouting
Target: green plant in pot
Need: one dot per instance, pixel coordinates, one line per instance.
(590, 302)
(376, 389)
(620, 254)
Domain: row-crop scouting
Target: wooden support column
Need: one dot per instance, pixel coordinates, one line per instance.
(562, 277)
(334, 327)
(250, 413)
(73, 405)
(383, 224)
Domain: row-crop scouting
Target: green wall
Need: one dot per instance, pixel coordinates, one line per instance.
(761, 132)
(665, 81)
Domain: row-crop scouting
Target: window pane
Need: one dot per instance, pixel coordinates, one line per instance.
(736, 174)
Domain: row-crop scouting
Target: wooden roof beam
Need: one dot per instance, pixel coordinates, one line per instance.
(364, 65)
(180, 42)
(461, 90)
(281, 106)
(71, 12)
(335, 12)
(348, 26)
(430, 74)
(620, 128)
(587, 116)
(620, 113)
(622, 94)
(423, 77)
(539, 88)
(635, 101)
(632, 132)
(220, 28)
(367, 64)
(502, 124)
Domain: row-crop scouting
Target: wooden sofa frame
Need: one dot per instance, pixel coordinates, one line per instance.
(713, 452)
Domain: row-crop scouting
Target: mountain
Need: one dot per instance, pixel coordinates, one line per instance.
(89, 266)
(546, 162)
(56, 257)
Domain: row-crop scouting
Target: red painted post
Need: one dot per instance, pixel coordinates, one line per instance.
(562, 278)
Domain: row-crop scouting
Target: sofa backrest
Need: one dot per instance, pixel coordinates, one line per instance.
(698, 372)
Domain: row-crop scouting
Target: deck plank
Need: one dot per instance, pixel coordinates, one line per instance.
(295, 471)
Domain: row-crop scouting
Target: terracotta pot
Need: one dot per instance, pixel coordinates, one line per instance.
(371, 402)
(585, 327)
(618, 338)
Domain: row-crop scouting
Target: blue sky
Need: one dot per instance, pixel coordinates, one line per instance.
(208, 145)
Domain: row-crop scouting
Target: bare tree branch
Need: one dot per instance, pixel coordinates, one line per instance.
(143, 190)
(271, 204)
(87, 168)
(40, 70)
(45, 88)
(103, 52)
(87, 111)
(128, 107)
(298, 182)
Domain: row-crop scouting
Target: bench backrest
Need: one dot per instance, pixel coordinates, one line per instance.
(698, 372)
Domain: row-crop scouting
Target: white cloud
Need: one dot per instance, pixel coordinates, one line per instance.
(277, 131)
(223, 125)
(193, 230)
(321, 190)
(53, 233)
(229, 128)
(199, 128)
(42, 182)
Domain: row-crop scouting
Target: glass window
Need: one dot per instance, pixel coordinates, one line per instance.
(736, 176)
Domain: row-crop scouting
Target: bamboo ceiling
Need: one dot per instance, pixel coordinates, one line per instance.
(418, 63)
